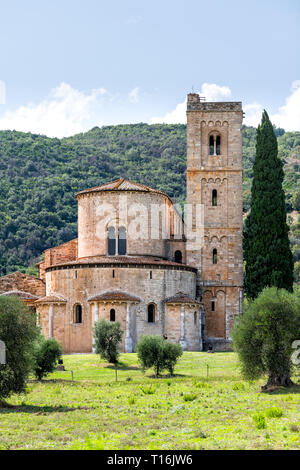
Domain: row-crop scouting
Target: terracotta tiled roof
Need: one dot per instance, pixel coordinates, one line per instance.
(54, 298)
(182, 300)
(121, 185)
(117, 260)
(19, 293)
(114, 295)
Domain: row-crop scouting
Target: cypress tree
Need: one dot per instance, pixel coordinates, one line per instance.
(267, 253)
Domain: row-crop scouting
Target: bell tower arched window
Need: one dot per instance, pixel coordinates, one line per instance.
(151, 313)
(215, 256)
(214, 197)
(218, 145)
(178, 256)
(111, 241)
(77, 313)
(122, 242)
(211, 145)
(112, 315)
(215, 144)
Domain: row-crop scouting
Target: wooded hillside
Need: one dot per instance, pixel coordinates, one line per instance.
(39, 177)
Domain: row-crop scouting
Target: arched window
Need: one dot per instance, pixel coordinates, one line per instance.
(77, 314)
(214, 197)
(218, 145)
(195, 318)
(211, 145)
(213, 306)
(111, 241)
(215, 144)
(112, 315)
(122, 241)
(151, 313)
(178, 256)
(215, 256)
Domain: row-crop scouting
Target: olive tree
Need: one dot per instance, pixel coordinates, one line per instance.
(108, 336)
(18, 331)
(264, 334)
(46, 354)
(154, 351)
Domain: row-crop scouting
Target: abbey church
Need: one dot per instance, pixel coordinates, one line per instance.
(138, 262)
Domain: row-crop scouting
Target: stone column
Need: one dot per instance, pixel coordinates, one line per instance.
(128, 339)
(96, 312)
(182, 329)
(95, 319)
(200, 330)
(51, 321)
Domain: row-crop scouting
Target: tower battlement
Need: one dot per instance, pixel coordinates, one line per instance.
(194, 103)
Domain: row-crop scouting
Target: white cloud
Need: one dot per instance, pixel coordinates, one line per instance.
(253, 114)
(210, 91)
(213, 92)
(134, 95)
(177, 116)
(288, 115)
(66, 111)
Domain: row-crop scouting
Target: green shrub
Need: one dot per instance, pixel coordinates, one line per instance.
(154, 351)
(190, 396)
(108, 336)
(131, 400)
(238, 386)
(202, 385)
(274, 412)
(47, 353)
(259, 420)
(148, 390)
(18, 331)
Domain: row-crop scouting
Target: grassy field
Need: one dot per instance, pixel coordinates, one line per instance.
(205, 406)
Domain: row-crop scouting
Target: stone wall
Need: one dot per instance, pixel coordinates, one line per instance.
(149, 219)
(59, 254)
(22, 282)
(192, 324)
(78, 285)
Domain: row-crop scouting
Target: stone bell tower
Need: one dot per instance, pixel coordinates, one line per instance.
(214, 180)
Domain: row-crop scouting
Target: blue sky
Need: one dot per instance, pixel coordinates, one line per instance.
(68, 65)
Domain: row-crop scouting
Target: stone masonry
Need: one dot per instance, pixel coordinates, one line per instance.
(214, 179)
